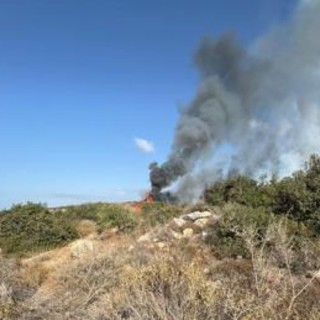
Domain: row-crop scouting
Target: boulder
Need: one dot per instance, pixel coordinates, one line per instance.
(176, 235)
(179, 222)
(145, 238)
(193, 216)
(161, 245)
(187, 233)
(201, 223)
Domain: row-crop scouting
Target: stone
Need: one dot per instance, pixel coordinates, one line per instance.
(201, 223)
(161, 245)
(206, 271)
(179, 222)
(187, 233)
(193, 216)
(145, 238)
(176, 235)
(204, 235)
(81, 247)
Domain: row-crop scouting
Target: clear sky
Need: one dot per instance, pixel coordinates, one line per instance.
(80, 80)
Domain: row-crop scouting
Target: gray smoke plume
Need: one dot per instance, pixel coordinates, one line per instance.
(262, 104)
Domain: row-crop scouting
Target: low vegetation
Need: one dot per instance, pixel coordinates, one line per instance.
(32, 227)
(259, 260)
(29, 228)
(183, 282)
(297, 196)
(159, 213)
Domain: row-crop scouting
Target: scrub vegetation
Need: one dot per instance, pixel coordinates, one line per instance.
(259, 260)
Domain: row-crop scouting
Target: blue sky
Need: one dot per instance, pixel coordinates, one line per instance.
(81, 79)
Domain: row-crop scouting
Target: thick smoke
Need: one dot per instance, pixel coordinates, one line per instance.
(261, 104)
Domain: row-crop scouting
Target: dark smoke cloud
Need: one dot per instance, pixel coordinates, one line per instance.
(263, 102)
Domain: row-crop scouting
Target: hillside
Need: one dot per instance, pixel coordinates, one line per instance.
(249, 250)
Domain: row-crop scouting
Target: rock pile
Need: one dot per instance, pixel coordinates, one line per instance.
(186, 226)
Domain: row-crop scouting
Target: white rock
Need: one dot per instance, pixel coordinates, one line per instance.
(204, 235)
(176, 235)
(187, 233)
(145, 238)
(206, 271)
(161, 245)
(193, 216)
(201, 222)
(179, 222)
(80, 247)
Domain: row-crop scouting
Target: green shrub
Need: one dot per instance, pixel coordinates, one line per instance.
(241, 190)
(226, 237)
(297, 196)
(88, 211)
(111, 216)
(159, 213)
(243, 230)
(292, 244)
(33, 227)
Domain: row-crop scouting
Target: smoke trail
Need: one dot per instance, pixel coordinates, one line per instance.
(264, 103)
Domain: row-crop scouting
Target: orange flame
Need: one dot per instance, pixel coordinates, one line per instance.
(137, 206)
(148, 198)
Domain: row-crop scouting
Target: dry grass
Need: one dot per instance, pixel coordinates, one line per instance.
(183, 281)
(7, 274)
(85, 227)
(33, 276)
(259, 289)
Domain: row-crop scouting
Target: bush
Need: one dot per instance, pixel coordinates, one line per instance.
(87, 211)
(103, 214)
(242, 231)
(225, 237)
(241, 190)
(297, 196)
(292, 245)
(32, 227)
(115, 216)
(159, 213)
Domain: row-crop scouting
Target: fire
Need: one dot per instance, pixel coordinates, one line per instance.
(137, 206)
(148, 198)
